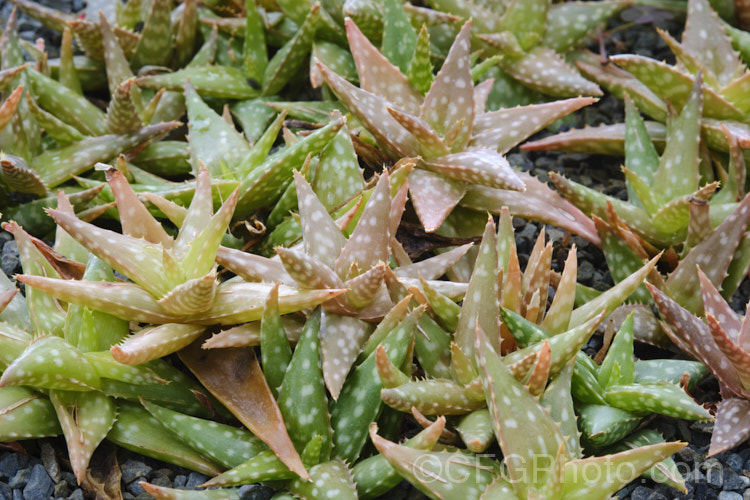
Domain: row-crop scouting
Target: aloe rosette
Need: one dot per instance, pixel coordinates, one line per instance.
(459, 145)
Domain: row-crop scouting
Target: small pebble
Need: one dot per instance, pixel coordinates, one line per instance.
(133, 469)
(194, 479)
(40, 485)
(729, 495)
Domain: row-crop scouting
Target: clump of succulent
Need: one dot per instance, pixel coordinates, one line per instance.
(720, 343)
(545, 467)
(705, 54)
(459, 145)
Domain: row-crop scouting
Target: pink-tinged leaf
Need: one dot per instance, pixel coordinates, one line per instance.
(368, 244)
(738, 357)
(537, 277)
(697, 336)
(45, 313)
(154, 342)
(713, 255)
(7, 297)
(576, 486)
(85, 418)
(604, 139)
(342, 339)
(732, 425)
(249, 335)
(678, 166)
(434, 267)
(364, 288)
(672, 85)
(538, 202)
(235, 378)
(715, 305)
(371, 111)
(137, 259)
(481, 94)
(390, 374)
(505, 128)
(252, 267)
(9, 107)
(543, 70)
(450, 99)
(539, 374)
(484, 167)
(243, 302)
(398, 204)
(321, 236)
(558, 315)
(481, 305)
(704, 38)
(377, 75)
(135, 218)
(433, 197)
(307, 271)
(197, 216)
(511, 407)
(429, 144)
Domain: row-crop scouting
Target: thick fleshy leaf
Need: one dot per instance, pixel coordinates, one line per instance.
(453, 85)
(713, 255)
(378, 76)
(330, 479)
(368, 244)
(213, 142)
(577, 487)
(505, 128)
(154, 342)
(481, 305)
(85, 418)
(136, 430)
(664, 398)
(511, 406)
(267, 182)
(674, 86)
(208, 81)
(440, 474)
(52, 363)
(485, 167)
(230, 372)
(26, 414)
(374, 476)
(618, 367)
(538, 202)
(732, 425)
(543, 70)
(603, 425)
(302, 396)
(432, 397)
(227, 445)
(359, 402)
(433, 197)
(704, 38)
(58, 165)
(321, 237)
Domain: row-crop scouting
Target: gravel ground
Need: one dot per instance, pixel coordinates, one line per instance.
(42, 471)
